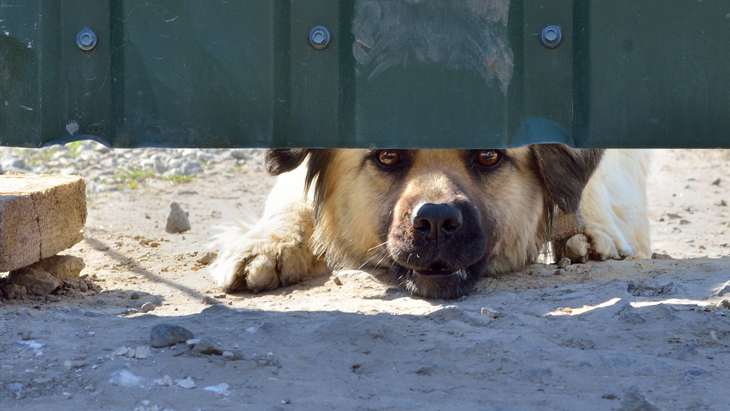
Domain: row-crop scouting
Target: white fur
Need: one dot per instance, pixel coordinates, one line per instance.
(614, 207)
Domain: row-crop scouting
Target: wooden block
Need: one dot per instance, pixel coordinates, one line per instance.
(39, 217)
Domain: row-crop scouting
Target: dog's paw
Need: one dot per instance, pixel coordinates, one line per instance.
(271, 255)
(597, 245)
(269, 264)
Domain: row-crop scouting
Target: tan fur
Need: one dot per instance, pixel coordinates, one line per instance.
(361, 204)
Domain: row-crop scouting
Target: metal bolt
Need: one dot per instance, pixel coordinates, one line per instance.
(319, 37)
(86, 39)
(551, 36)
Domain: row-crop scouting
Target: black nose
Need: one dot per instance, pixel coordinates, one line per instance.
(435, 220)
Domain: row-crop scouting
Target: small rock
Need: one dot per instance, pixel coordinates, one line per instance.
(191, 342)
(227, 355)
(142, 352)
(208, 347)
(36, 282)
(684, 222)
(240, 155)
(673, 216)
(164, 335)
(134, 296)
(187, 383)
(121, 351)
(207, 258)
(131, 353)
(147, 307)
(237, 355)
(660, 256)
(635, 400)
(564, 262)
(220, 389)
(89, 313)
(337, 280)
(490, 312)
(559, 272)
(723, 304)
(716, 182)
(154, 244)
(61, 266)
(208, 300)
(721, 203)
(177, 221)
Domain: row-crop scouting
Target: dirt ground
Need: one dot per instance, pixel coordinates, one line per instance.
(615, 335)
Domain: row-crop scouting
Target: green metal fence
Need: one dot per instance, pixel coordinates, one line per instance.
(386, 73)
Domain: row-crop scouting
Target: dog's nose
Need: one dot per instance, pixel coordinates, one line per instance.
(435, 220)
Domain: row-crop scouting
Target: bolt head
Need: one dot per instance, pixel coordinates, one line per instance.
(86, 39)
(319, 37)
(551, 36)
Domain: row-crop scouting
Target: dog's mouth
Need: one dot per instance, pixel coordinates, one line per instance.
(440, 280)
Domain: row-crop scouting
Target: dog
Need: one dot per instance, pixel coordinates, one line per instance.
(439, 220)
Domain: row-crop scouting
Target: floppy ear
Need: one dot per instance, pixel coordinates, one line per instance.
(565, 172)
(279, 161)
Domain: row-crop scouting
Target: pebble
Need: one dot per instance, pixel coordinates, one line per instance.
(208, 300)
(177, 221)
(635, 400)
(142, 352)
(490, 312)
(165, 335)
(134, 296)
(660, 256)
(207, 258)
(207, 346)
(716, 182)
(337, 280)
(721, 203)
(564, 262)
(121, 351)
(147, 307)
(187, 383)
(220, 389)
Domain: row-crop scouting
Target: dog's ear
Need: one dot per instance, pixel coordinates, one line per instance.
(279, 161)
(565, 172)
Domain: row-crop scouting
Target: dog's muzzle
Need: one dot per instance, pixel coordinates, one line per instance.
(438, 250)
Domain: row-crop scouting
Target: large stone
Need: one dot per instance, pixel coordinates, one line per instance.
(177, 221)
(61, 266)
(36, 282)
(163, 335)
(39, 217)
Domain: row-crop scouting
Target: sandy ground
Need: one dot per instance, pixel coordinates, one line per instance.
(616, 335)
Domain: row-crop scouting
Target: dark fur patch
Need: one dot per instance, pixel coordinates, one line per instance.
(318, 167)
(278, 161)
(565, 172)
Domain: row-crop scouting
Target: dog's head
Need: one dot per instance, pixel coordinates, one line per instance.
(439, 218)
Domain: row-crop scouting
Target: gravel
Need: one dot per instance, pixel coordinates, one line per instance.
(123, 169)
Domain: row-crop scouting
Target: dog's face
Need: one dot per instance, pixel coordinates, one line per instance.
(439, 219)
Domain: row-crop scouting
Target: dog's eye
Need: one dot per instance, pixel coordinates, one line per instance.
(388, 158)
(488, 158)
